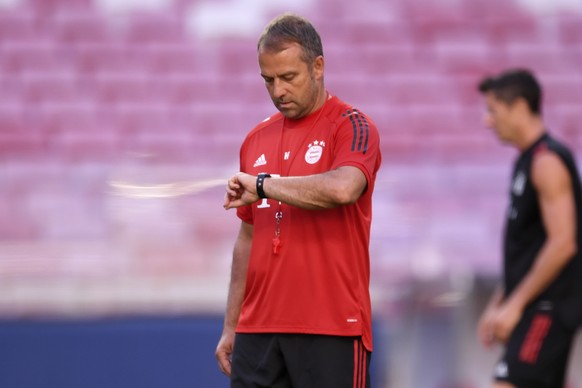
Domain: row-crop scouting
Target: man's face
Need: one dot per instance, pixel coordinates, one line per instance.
(500, 116)
(294, 86)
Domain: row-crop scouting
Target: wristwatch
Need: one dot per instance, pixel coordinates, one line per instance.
(260, 182)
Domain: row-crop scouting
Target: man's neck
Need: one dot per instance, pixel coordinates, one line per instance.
(530, 133)
(321, 99)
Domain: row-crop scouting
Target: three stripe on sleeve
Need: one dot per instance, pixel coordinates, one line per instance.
(361, 130)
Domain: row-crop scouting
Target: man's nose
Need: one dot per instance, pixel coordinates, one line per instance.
(278, 89)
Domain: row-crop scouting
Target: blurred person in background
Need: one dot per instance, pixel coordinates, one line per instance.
(536, 311)
(299, 298)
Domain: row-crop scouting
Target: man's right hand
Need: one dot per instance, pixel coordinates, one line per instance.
(224, 351)
(486, 329)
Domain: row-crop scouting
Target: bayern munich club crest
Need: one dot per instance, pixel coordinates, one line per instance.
(314, 151)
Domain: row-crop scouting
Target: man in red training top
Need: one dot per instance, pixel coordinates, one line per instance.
(299, 298)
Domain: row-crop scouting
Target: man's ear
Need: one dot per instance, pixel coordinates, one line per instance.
(520, 105)
(318, 67)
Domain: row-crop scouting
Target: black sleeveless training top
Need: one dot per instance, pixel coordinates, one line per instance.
(525, 234)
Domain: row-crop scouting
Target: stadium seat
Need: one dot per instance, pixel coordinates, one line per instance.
(570, 30)
(155, 28)
(17, 25)
(17, 57)
(81, 29)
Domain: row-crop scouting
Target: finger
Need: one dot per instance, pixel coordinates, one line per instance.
(224, 364)
(485, 339)
(233, 188)
(488, 341)
(500, 336)
(233, 204)
(232, 191)
(227, 200)
(485, 333)
(233, 183)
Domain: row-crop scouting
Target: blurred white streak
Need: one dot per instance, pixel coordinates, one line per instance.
(165, 190)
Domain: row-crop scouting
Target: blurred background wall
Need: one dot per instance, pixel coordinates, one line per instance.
(120, 121)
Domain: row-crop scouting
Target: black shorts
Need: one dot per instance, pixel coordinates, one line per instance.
(299, 361)
(538, 350)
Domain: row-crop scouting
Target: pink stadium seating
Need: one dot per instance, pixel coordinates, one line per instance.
(144, 28)
(75, 30)
(393, 32)
(11, 117)
(17, 26)
(31, 55)
(54, 6)
(119, 130)
(110, 56)
(48, 87)
(18, 144)
(80, 87)
(570, 30)
(79, 144)
(508, 11)
(179, 59)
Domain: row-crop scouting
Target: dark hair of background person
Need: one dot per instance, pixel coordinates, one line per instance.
(513, 84)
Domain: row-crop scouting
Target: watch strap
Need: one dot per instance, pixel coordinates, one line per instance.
(260, 184)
